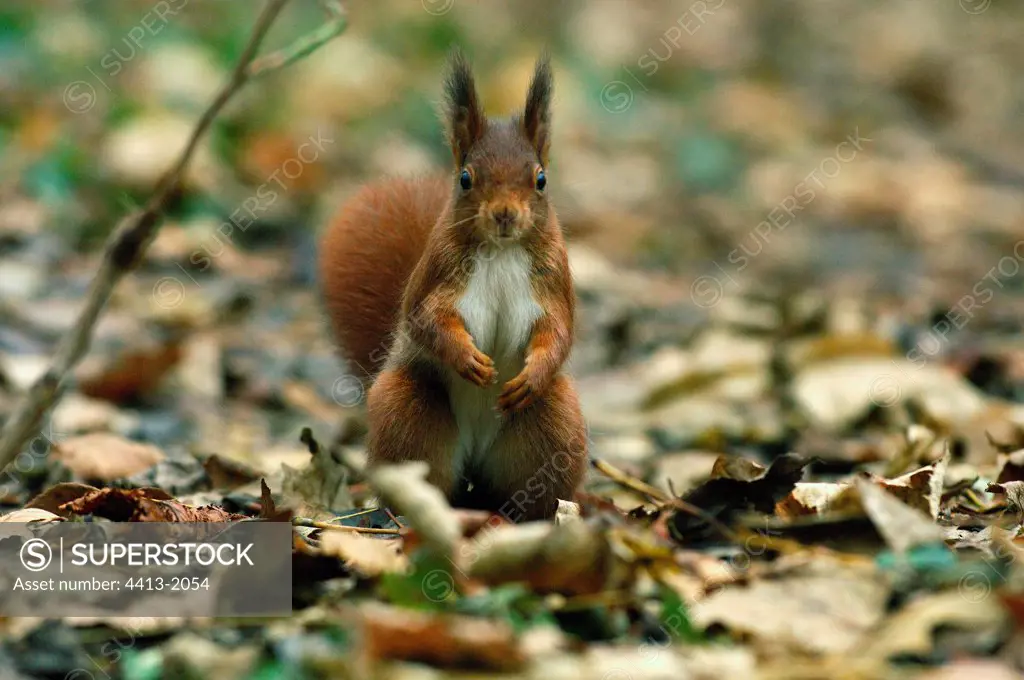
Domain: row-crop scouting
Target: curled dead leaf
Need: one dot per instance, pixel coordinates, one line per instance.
(902, 526)
(134, 505)
(59, 494)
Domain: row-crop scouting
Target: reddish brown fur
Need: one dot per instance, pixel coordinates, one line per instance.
(385, 246)
(366, 257)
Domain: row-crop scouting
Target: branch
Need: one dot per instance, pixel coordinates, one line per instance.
(137, 230)
(305, 45)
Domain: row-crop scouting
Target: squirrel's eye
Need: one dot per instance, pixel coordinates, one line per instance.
(466, 180)
(541, 180)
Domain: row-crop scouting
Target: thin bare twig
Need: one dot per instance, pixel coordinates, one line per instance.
(137, 230)
(305, 45)
(394, 519)
(631, 483)
(313, 524)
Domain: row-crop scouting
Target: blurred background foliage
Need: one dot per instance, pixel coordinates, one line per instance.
(679, 125)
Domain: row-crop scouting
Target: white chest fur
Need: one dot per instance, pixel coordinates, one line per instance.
(499, 311)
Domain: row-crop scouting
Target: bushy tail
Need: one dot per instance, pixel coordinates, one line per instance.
(366, 256)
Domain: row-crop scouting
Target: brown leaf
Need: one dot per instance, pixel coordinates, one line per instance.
(1012, 469)
(103, 456)
(267, 508)
(133, 505)
(59, 494)
(134, 374)
(740, 469)
(571, 558)
(808, 498)
(1014, 443)
(322, 485)
(440, 640)
(227, 474)
(1013, 491)
(920, 489)
(473, 521)
(155, 493)
(825, 610)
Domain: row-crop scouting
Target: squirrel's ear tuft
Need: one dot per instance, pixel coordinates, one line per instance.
(466, 119)
(537, 114)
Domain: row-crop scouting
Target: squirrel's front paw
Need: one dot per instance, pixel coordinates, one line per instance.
(477, 368)
(519, 392)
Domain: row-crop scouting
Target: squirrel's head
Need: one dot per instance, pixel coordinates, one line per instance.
(500, 181)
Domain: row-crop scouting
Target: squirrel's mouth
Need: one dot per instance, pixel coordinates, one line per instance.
(504, 222)
(502, 232)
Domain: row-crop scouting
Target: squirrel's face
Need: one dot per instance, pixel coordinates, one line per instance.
(500, 180)
(501, 189)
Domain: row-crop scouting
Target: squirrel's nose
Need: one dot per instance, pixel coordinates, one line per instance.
(505, 218)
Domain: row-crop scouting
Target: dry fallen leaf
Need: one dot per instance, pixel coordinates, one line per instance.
(405, 489)
(226, 474)
(909, 631)
(567, 512)
(740, 469)
(920, 489)
(442, 640)
(104, 457)
(30, 515)
(973, 669)
(59, 494)
(319, 488)
(131, 375)
(808, 498)
(1011, 468)
(570, 558)
(824, 610)
(135, 505)
(369, 556)
(1014, 493)
(902, 526)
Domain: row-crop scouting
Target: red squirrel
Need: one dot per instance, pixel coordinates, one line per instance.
(453, 295)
